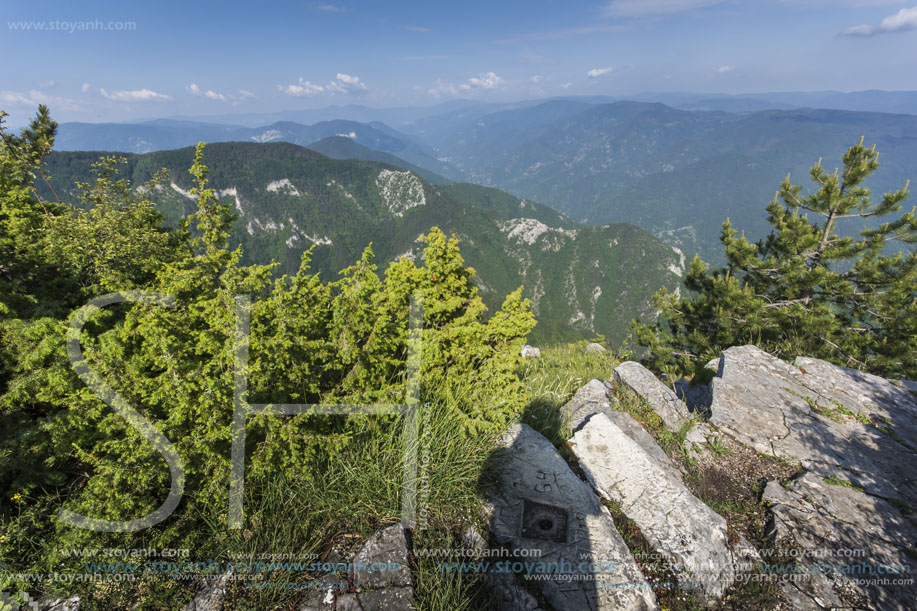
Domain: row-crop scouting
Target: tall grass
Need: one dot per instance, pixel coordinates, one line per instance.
(341, 500)
(553, 379)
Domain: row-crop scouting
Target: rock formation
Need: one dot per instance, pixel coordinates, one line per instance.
(838, 496)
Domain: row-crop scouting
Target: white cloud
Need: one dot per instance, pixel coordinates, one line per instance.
(566, 86)
(536, 78)
(193, 89)
(442, 88)
(135, 95)
(47, 85)
(597, 72)
(343, 83)
(725, 69)
(905, 19)
(34, 97)
(247, 95)
(350, 84)
(485, 81)
(85, 88)
(644, 8)
(301, 88)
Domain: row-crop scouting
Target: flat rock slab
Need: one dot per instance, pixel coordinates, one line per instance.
(853, 543)
(664, 402)
(562, 536)
(675, 522)
(879, 399)
(834, 422)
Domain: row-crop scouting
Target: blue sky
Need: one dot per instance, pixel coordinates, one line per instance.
(196, 58)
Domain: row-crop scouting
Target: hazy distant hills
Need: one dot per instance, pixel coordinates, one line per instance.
(676, 173)
(343, 147)
(583, 280)
(676, 169)
(167, 134)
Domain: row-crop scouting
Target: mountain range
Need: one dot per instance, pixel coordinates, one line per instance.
(166, 134)
(583, 280)
(676, 172)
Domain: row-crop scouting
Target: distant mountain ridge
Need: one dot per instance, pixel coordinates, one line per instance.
(677, 170)
(168, 134)
(343, 147)
(582, 280)
(676, 173)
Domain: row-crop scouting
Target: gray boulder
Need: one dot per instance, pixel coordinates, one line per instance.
(664, 402)
(390, 599)
(530, 352)
(651, 493)
(59, 604)
(594, 348)
(695, 444)
(555, 522)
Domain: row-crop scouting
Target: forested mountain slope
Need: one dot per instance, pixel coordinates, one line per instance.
(582, 280)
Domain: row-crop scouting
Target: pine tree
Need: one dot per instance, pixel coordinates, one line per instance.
(815, 286)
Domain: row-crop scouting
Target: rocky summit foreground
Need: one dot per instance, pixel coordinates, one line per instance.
(837, 529)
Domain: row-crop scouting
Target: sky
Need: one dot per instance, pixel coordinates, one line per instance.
(103, 60)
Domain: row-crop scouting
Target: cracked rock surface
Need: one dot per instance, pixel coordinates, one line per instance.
(651, 493)
(834, 422)
(850, 541)
(540, 505)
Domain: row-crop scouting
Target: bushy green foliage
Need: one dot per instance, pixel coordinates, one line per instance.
(344, 341)
(806, 289)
